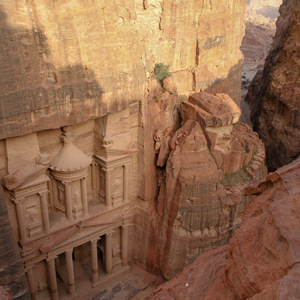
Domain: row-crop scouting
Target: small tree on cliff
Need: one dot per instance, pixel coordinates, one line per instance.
(161, 72)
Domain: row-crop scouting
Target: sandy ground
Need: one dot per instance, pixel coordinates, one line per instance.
(260, 30)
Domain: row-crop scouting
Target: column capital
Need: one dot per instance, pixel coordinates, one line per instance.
(29, 268)
(66, 182)
(70, 250)
(50, 258)
(43, 193)
(17, 201)
(95, 239)
(125, 225)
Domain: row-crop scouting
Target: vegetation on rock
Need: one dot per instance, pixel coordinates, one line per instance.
(161, 72)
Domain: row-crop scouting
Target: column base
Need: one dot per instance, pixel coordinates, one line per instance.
(106, 278)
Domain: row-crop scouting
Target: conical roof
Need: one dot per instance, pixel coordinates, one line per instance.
(69, 157)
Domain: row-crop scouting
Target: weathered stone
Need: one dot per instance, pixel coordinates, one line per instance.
(67, 63)
(12, 273)
(211, 158)
(261, 261)
(274, 93)
(89, 65)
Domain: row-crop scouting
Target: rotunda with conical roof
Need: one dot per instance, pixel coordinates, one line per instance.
(69, 169)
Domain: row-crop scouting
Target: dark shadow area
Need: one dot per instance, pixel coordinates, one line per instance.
(34, 95)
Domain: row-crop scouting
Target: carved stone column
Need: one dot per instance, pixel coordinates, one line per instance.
(125, 183)
(45, 213)
(108, 252)
(21, 220)
(31, 285)
(94, 257)
(70, 272)
(68, 199)
(52, 279)
(124, 234)
(108, 200)
(84, 195)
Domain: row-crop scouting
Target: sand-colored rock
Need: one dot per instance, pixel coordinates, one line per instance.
(67, 62)
(88, 66)
(210, 158)
(274, 93)
(261, 261)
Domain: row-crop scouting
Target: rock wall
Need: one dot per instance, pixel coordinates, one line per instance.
(262, 259)
(66, 62)
(203, 168)
(90, 65)
(274, 93)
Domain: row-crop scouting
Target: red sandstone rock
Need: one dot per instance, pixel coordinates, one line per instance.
(274, 93)
(210, 159)
(262, 260)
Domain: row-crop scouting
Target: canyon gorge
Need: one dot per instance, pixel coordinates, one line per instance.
(123, 157)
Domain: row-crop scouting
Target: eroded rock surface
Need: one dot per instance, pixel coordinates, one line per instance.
(262, 260)
(67, 62)
(274, 93)
(210, 159)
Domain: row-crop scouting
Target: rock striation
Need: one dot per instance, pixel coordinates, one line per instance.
(67, 62)
(262, 260)
(274, 93)
(87, 67)
(207, 162)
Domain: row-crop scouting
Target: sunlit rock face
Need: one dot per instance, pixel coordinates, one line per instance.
(274, 93)
(89, 65)
(68, 61)
(262, 260)
(207, 163)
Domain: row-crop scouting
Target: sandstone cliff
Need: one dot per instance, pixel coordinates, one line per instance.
(66, 62)
(89, 64)
(203, 168)
(262, 259)
(274, 93)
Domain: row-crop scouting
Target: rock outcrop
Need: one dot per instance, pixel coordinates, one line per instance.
(206, 163)
(262, 260)
(274, 93)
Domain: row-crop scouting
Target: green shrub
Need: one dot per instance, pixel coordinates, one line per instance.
(161, 72)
